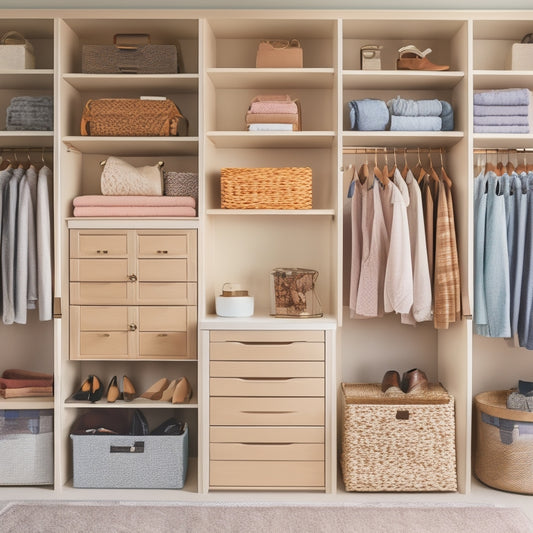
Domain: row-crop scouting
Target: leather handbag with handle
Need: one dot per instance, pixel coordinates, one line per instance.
(132, 117)
(278, 53)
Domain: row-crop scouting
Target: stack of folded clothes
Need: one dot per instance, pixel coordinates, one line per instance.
(502, 111)
(17, 383)
(420, 115)
(368, 114)
(274, 112)
(134, 206)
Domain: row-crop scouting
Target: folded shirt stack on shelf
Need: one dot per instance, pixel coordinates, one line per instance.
(502, 111)
(399, 114)
(17, 383)
(274, 112)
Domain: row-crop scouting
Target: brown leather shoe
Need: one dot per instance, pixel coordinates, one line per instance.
(411, 58)
(414, 380)
(391, 382)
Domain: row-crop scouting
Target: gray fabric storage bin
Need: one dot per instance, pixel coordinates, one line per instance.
(130, 462)
(26, 447)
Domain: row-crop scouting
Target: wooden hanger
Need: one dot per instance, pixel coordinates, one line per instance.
(363, 172)
(405, 169)
(489, 167)
(432, 171)
(443, 172)
(393, 170)
(509, 167)
(522, 167)
(377, 171)
(419, 169)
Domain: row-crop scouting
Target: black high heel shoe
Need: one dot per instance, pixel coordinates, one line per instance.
(91, 390)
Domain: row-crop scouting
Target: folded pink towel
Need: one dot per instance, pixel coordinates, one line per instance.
(133, 201)
(273, 107)
(134, 211)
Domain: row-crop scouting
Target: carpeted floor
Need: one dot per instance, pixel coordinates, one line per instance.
(218, 518)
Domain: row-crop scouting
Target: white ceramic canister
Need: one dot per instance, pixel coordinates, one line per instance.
(234, 302)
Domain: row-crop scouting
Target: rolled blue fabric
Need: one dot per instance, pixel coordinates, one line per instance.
(497, 120)
(447, 116)
(414, 108)
(415, 123)
(500, 110)
(368, 114)
(503, 97)
(501, 129)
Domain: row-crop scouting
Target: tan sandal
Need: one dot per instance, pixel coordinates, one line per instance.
(411, 58)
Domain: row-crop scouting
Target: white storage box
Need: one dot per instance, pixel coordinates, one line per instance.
(521, 57)
(131, 462)
(26, 447)
(15, 52)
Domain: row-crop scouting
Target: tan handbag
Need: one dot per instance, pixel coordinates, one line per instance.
(279, 54)
(132, 117)
(119, 178)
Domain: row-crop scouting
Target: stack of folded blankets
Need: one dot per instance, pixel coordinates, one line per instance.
(400, 114)
(502, 111)
(134, 206)
(17, 383)
(274, 112)
(30, 113)
(420, 115)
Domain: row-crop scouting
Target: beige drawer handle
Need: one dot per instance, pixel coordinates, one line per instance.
(259, 343)
(268, 412)
(162, 251)
(269, 380)
(106, 335)
(162, 334)
(266, 443)
(102, 252)
(132, 327)
(132, 277)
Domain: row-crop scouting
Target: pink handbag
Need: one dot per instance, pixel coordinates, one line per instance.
(279, 54)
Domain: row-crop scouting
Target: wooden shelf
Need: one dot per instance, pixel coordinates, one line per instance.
(23, 139)
(503, 140)
(433, 139)
(269, 212)
(502, 79)
(42, 79)
(271, 139)
(35, 402)
(151, 83)
(400, 79)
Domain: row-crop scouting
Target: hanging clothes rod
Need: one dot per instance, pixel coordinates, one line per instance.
(390, 150)
(12, 149)
(501, 150)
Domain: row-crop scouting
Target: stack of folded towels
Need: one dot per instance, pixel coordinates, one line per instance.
(134, 206)
(400, 114)
(502, 111)
(274, 112)
(18, 383)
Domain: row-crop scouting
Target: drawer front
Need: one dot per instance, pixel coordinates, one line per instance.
(267, 434)
(268, 474)
(266, 387)
(94, 293)
(165, 293)
(282, 351)
(244, 451)
(96, 244)
(109, 344)
(266, 336)
(267, 411)
(266, 369)
(161, 318)
(102, 318)
(99, 270)
(162, 269)
(153, 344)
(165, 245)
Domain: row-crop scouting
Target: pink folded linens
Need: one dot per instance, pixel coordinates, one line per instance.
(273, 107)
(134, 211)
(97, 200)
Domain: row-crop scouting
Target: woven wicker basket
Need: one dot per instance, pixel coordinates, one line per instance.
(503, 444)
(398, 443)
(266, 188)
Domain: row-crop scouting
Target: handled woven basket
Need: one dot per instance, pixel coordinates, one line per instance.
(266, 188)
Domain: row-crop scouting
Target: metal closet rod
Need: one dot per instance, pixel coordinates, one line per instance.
(13, 149)
(501, 150)
(390, 150)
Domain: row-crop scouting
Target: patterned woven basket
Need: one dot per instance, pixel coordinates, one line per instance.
(266, 188)
(399, 444)
(181, 184)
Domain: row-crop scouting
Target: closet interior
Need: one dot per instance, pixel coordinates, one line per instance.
(243, 246)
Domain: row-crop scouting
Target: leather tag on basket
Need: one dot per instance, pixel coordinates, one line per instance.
(132, 117)
(278, 53)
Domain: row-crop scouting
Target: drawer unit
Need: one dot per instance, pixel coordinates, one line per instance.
(133, 294)
(267, 410)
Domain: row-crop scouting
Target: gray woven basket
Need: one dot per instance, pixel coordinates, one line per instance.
(181, 184)
(406, 446)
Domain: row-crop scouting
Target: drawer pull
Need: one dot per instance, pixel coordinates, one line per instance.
(162, 251)
(106, 335)
(269, 380)
(132, 327)
(268, 343)
(132, 277)
(102, 252)
(268, 412)
(266, 443)
(162, 334)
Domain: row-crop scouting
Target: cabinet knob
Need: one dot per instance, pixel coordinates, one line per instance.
(102, 252)
(132, 277)
(133, 327)
(162, 251)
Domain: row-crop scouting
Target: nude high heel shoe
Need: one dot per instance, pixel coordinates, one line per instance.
(128, 390)
(182, 392)
(156, 390)
(169, 391)
(113, 393)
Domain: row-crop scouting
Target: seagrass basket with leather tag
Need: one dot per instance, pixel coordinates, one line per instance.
(399, 443)
(132, 117)
(503, 443)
